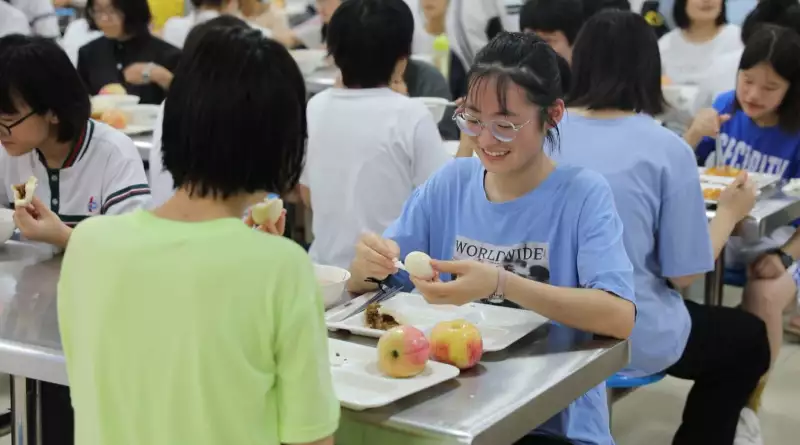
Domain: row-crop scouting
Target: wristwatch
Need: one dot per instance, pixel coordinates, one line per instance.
(146, 72)
(499, 296)
(786, 259)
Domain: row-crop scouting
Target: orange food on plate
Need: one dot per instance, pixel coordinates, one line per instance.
(115, 118)
(723, 171)
(712, 194)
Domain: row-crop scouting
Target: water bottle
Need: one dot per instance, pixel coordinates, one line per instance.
(441, 55)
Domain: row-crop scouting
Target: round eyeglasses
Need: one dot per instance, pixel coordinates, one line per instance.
(5, 130)
(502, 130)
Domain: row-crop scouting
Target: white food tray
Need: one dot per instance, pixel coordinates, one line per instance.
(500, 326)
(359, 384)
(761, 180)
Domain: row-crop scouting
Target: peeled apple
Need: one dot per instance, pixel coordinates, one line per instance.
(418, 264)
(269, 210)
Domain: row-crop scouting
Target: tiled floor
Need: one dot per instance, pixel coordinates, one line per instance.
(650, 415)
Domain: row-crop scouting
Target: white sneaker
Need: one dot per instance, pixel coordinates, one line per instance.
(748, 431)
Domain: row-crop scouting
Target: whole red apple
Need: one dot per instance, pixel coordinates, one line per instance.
(403, 352)
(456, 342)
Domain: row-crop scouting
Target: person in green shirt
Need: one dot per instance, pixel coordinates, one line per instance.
(183, 325)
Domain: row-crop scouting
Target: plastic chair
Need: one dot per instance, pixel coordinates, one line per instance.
(619, 385)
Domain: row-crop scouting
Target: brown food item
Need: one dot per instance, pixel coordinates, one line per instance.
(723, 171)
(376, 320)
(712, 194)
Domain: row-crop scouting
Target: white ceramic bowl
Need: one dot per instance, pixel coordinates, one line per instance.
(141, 114)
(7, 225)
(108, 101)
(332, 280)
(309, 60)
(436, 105)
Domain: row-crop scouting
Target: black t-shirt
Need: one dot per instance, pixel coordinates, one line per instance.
(102, 62)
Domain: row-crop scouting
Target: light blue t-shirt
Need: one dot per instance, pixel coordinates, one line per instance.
(565, 232)
(747, 146)
(654, 178)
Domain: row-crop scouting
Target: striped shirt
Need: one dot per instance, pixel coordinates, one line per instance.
(103, 174)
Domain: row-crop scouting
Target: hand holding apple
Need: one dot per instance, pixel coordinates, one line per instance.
(403, 352)
(456, 342)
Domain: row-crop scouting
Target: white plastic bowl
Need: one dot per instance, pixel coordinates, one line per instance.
(309, 60)
(141, 114)
(332, 281)
(436, 105)
(7, 225)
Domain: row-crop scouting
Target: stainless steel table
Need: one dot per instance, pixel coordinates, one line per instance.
(775, 211)
(507, 395)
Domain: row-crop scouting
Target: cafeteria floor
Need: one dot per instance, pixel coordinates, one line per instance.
(651, 414)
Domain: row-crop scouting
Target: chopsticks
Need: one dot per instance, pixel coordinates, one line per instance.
(384, 293)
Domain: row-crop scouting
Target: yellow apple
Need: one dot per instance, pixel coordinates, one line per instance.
(269, 210)
(113, 89)
(457, 342)
(403, 352)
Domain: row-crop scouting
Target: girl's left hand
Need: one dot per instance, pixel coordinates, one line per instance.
(276, 228)
(37, 222)
(475, 281)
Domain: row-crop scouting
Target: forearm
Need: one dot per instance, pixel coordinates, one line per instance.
(721, 228)
(590, 310)
(692, 138)
(792, 247)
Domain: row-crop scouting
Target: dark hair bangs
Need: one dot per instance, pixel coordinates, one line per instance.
(566, 16)
(234, 118)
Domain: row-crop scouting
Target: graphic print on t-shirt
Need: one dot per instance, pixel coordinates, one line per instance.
(529, 260)
(740, 154)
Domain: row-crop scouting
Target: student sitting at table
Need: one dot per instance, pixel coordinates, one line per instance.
(527, 212)
(177, 29)
(757, 128)
(609, 128)
(40, 15)
(368, 146)
(556, 21)
(84, 168)
(183, 325)
(128, 53)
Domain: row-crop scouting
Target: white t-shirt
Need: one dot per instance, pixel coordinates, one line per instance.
(12, 21)
(688, 63)
(41, 15)
(161, 184)
(103, 175)
(367, 151)
(177, 28)
(727, 68)
(467, 22)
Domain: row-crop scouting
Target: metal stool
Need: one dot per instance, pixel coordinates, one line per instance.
(619, 385)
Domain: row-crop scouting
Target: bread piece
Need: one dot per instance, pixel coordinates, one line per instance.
(23, 193)
(376, 318)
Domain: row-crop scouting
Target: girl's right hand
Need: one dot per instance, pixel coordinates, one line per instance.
(707, 123)
(739, 198)
(374, 257)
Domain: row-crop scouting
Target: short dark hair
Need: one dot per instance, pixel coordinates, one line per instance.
(198, 31)
(553, 15)
(526, 60)
(616, 65)
(681, 17)
(37, 71)
(367, 38)
(212, 3)
(592, 7)
(777, 12)
(136, 14)
(234, 117)
(779, 48)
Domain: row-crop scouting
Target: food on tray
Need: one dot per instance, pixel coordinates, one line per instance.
(23, 193)
(269, 210)
(377, 317)
(723, 171)
(113, 89)
(456, 342)
(115, 118)
(418, 264)
(403, 351)
(712, 194)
